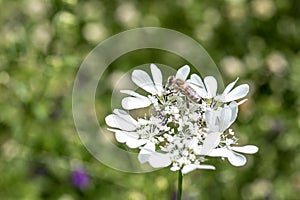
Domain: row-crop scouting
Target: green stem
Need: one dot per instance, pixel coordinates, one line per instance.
(179, 193)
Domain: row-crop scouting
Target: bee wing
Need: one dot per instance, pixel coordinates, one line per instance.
(200, 91)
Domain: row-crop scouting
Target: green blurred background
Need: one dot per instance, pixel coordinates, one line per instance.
(42, 44)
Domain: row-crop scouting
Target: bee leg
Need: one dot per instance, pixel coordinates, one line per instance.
(187, 103)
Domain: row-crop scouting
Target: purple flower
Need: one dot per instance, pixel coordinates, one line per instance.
(80, 178)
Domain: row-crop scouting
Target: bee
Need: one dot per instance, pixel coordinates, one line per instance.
(184, 89)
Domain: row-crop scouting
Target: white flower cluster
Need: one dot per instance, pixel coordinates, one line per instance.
(189, 121)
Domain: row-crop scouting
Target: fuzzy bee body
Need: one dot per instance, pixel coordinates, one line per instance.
(184, 88)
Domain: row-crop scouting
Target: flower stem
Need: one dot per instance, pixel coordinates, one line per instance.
(179, 193)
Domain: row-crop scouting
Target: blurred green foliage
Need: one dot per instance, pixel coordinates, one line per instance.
(43, 43)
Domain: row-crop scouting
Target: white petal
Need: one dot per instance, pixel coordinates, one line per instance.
(132, 93)
(211, 120)
(124, 122)
(220, 152)
(146, 152)
(225, 118)
(183, 72)
(130, 103)
(150, 146)
(143, 80)
(234, 111)
(242, 101)
(129, 138)
(200, 91)
(158, 160)
(195, 79)
(144, 156)
(188, 168)
(229, 87)
(206, 167)
(157, 78)
(219, 120)
(237, 93)
(211, 141)
(237, 159)
(123, 136)
(211, 86)
(125, 116)
(135, 143)
(155, 159)
(198, 85)
(250, 149)
(222, 118)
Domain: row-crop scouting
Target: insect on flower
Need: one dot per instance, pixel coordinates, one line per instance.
(184, 88)
(184, 128)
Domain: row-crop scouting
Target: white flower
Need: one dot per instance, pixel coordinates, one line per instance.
(126, 131)
(181, 132)
(234, 158)
(207, 89)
